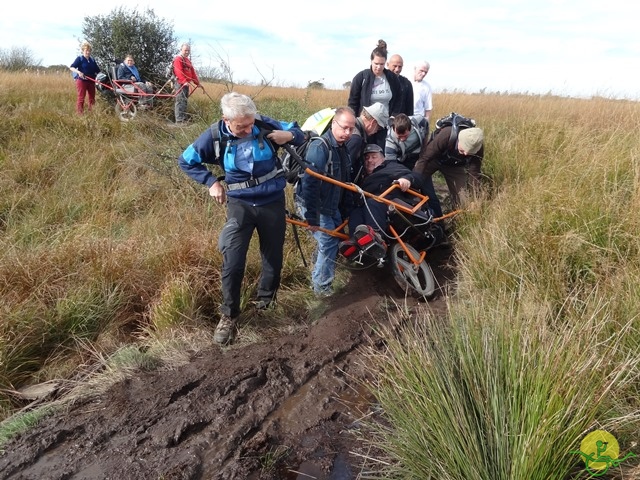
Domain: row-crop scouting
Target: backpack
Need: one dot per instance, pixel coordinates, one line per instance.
(295, 162)
(457, 122)
(169, 72)
(293, 159)
(421, 126)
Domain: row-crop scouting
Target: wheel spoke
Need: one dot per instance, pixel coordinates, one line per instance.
(419, 278)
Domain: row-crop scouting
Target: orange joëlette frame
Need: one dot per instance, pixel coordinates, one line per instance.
(380, 198)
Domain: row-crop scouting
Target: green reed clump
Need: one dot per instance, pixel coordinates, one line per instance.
(496, 393)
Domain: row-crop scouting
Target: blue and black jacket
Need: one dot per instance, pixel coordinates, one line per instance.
(252, 169)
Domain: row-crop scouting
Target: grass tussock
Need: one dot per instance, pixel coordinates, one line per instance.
(506, 394)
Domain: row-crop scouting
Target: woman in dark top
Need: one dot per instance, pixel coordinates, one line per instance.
(85, 69)
(376, 84)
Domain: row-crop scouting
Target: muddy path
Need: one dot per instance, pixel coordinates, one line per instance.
(286, 409)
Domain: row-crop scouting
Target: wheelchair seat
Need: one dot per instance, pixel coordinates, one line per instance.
(418, 228)
(423, 215)
(118, 85)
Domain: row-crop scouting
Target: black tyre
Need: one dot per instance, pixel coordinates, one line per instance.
(415, 279)
(126, 110)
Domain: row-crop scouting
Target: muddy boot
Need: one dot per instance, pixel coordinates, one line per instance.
(225, 331)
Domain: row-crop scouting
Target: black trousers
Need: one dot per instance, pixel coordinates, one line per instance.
(233, 242)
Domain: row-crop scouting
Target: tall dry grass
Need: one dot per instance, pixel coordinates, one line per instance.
(103, 238)
(540, 345)
(106, 243)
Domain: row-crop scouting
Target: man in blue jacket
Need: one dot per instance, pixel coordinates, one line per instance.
(244, 144)
(323, 204)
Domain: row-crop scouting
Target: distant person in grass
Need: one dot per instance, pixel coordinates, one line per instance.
(85, 70)
(253, 191)
(185, 76)
(128, 71)
(422, 93)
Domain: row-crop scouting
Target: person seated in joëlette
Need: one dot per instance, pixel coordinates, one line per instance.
(368, 221)
(128, 71)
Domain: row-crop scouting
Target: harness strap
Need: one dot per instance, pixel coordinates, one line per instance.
(256, 181)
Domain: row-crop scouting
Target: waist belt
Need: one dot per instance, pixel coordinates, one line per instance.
(276, 172)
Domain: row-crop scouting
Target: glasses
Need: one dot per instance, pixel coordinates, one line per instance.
(345, 129)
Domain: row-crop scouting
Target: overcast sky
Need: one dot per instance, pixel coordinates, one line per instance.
(565, 47)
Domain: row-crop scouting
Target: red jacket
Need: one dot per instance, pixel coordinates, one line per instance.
(184, 71)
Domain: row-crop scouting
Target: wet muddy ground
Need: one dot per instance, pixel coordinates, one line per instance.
(290, 408)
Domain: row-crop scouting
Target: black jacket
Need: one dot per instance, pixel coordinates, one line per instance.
(384, 174)
(360, 93)
(406, 105)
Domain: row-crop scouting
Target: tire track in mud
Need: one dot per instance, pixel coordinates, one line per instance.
(222, 415)
(191, 422)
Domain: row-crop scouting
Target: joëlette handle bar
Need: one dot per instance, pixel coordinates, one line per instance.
(382, 197)
(192, 88)
(338, 232)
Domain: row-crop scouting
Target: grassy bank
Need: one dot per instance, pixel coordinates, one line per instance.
(541, 343)
(104, 240)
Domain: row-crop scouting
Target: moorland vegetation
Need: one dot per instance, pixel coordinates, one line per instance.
(109, 257)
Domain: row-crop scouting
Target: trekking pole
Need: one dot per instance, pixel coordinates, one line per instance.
(205, 92)
(297, 240)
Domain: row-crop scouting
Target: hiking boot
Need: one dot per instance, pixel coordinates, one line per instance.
(324, 293)
(225, 331)
(370, 241)
(263, 304)
(348, 249)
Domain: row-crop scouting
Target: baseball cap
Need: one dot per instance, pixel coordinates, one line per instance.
(372, 147)
(379, 112)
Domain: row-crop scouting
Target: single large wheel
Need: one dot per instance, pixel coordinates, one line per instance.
(418, 279)
(126, 109)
